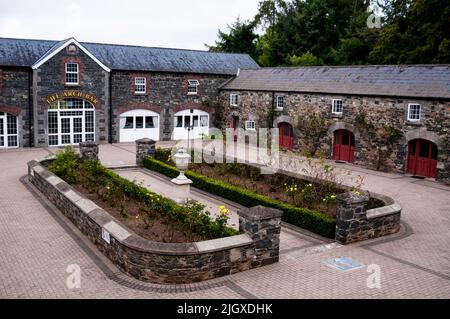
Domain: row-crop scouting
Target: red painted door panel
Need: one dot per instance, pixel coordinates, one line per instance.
(422, 158)
(286, 136)
(234, 124)
(344, 146)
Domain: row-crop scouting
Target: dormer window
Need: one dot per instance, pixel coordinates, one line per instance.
(193, 87)
(140, 85)
(72, 73)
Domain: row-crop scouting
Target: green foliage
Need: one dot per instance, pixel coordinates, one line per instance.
(305, 218)
(331, 32)
(66, 165)
(306, 59)
(117, 191)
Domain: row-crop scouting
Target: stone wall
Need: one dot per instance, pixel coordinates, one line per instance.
(49, 79)
(367, 117)
(145, 260)
(355, 223)
(166, 95)
(14, 99)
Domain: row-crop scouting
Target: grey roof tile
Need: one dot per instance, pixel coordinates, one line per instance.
(20, 52)
(425, 81)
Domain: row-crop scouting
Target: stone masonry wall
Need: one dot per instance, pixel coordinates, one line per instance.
(14, 99)
(366, 117)
(49, 79)
(149, 261)
(166, 95)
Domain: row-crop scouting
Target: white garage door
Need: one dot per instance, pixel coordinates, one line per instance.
(197, 120)
(138, 124)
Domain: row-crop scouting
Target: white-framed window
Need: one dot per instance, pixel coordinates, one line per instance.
(72, 73)
(8, 130)
(250, 125)
(140, 85)
(193, 87)
(414, 112)
(279, 102)
(70, 121)
(337, 107)
(234, 99)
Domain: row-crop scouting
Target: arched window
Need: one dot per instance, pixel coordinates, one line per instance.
(8, 130)
(70, 121)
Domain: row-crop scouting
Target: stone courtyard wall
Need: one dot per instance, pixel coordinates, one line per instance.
(169, 263)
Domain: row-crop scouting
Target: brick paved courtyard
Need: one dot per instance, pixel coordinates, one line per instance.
(37, 244)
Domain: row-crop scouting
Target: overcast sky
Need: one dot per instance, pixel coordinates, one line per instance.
(185, 24)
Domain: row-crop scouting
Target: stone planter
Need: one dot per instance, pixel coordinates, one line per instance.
(257, 245)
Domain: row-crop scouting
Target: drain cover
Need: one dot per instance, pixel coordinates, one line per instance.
(343, 264)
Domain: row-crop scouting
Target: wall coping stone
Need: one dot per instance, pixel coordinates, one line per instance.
(145, 140)
(221, 243)
(384, 211)
(117, 231)
(259, 212)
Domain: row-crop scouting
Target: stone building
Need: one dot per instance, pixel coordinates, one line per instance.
(390, 118)
(59, 93)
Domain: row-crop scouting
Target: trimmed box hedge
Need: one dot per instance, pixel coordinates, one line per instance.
(305, 218)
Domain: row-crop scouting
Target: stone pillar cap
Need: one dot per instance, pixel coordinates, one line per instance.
(145, 140)
(88, 143)
(354, 197)
(260, 213)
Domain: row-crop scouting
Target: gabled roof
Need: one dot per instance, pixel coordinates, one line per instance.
(421, 81)
(59, 46)
(26, 53)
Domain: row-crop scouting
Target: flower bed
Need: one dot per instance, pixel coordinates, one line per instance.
(302, 217)
(148, 214)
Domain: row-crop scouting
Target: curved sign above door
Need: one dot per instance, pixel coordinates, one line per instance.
(72, 95)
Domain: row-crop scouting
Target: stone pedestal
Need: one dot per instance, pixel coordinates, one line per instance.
(89, 151)
(181, 189)
(144, 148)
(351, 211)
(263, 225)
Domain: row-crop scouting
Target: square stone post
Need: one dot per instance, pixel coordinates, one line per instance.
(144, 147)
(263, 225)
(89, 151)
(351, 216)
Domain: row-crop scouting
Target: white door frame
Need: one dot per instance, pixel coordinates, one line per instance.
(4, 130)
(201, 126)
(71, 114)
(132, 134)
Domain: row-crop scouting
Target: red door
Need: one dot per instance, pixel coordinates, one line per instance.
(422, 158)
(235, 125)
(344, 146)
(286, 136)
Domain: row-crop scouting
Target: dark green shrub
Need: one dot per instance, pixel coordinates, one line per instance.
(66, 165)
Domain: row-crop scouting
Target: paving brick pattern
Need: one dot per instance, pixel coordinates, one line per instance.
(37, 244)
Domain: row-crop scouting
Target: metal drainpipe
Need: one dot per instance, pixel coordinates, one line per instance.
(30, 109)
(110, 138)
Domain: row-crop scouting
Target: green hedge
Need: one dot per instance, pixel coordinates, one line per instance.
(305, 218)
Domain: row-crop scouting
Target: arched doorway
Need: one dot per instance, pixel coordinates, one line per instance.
(196, 120)
(137, 124)
(422, 158)
(8, 131)
(70, 121)
(286, 135)
(344, 146)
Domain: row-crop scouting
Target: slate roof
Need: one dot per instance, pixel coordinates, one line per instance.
(25, 53)
(426, 81)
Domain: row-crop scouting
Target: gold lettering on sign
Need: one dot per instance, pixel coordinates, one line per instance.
(72, 94)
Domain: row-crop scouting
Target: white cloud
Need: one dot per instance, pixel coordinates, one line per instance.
(167, 23)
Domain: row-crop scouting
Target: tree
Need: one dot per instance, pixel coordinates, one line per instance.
(240, 38)
(306, 59)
